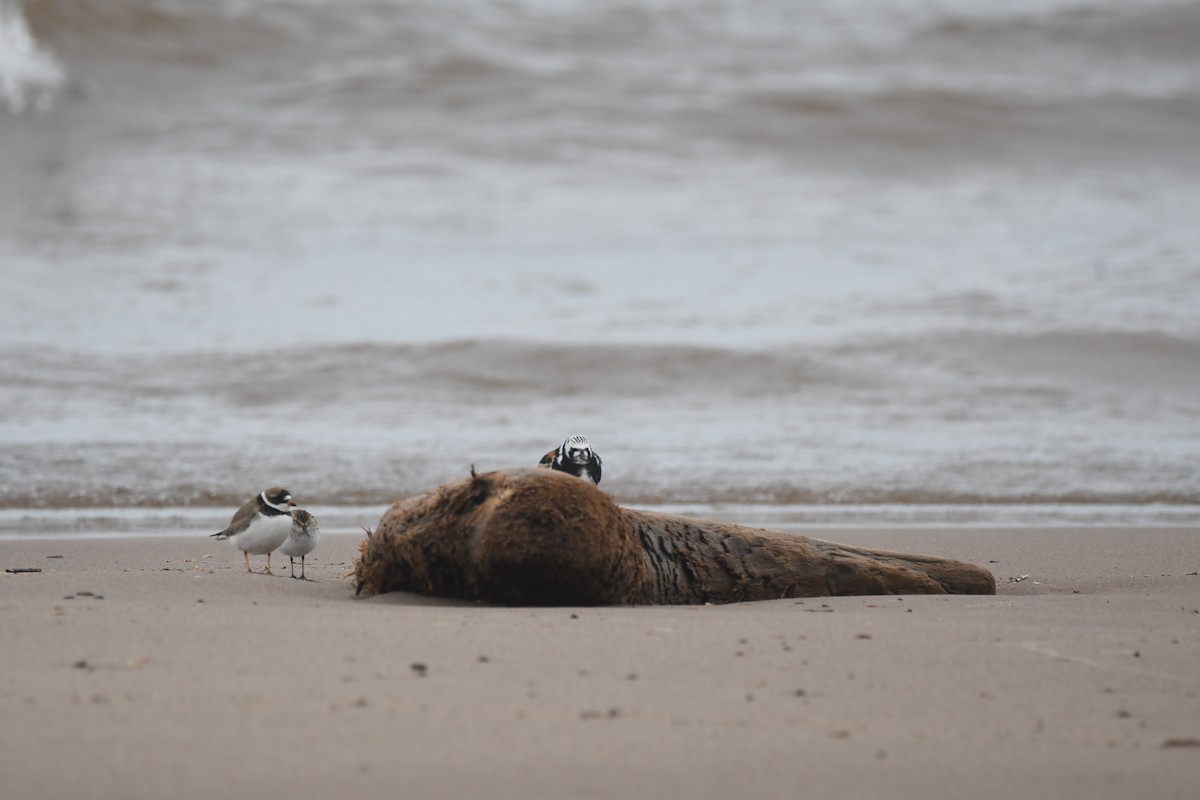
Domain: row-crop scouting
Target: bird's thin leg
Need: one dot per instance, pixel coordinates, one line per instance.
(292, 564)
(267, 571)
(246, 556)
(302, 569)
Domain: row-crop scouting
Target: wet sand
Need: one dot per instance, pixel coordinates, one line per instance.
(157, 667)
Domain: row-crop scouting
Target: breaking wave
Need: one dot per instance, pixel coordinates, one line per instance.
(30, 75)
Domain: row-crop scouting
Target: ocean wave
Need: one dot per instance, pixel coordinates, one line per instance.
(30, 75)
(859, 496)
(1069, 359)
(676, 203)
(958, 418)
(1076, 359)
(492, 368)
(135, 27)
(167, 494)
(67, 523)
(1161, 29)
(672, 81)
(1062, 124)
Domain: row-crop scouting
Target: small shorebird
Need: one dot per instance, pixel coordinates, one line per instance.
(261, 525)
(574, 456)
(302, 540)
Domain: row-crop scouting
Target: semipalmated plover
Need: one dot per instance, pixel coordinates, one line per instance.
(302, 540)
(261, 525)
(574, 456)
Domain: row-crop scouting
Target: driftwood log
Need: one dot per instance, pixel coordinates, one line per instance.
(538, 537)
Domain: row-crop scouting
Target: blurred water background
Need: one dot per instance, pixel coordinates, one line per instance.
(833, 262)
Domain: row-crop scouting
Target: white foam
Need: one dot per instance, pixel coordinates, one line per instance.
(30, 76)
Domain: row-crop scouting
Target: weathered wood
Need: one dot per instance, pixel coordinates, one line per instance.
(537, 537)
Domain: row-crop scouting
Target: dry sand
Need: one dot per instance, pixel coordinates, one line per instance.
(183, 676)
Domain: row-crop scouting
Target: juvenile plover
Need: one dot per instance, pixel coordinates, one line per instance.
(261, 525)
(302, 540)
(574, 456)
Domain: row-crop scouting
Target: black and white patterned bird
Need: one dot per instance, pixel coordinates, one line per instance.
(302, 540)
(574, 456)
(261, 525)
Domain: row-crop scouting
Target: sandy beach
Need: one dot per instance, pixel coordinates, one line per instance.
(908, 275)
(157, 667)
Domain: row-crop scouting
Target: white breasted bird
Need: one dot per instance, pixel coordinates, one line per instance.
(574, 456)
(261, 525)
(302, 540)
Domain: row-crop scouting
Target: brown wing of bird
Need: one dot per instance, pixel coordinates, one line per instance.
(241, 520)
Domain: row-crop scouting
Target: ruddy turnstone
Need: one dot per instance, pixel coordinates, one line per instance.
(261, 525)
(302, 540)
(574, 456)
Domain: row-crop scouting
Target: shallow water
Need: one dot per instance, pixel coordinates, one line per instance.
(900, 261)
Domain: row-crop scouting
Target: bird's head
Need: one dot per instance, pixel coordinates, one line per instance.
(577, 450)
(278, 498)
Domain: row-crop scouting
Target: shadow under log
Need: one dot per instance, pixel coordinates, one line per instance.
(539, 537)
